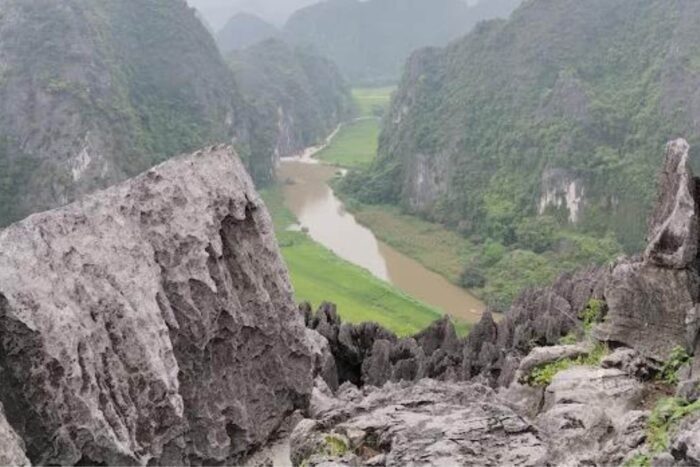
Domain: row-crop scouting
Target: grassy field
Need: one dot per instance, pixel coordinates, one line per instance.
(319, 275)
(439, 249)
(355, 145)
(371, 101)
(506, 271)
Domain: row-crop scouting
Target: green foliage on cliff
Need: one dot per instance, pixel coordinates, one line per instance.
(563, 91)
(93, 91)
(297, 97)
(370, 40)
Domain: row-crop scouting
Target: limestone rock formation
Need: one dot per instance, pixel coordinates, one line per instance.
(652, 300)
(429, 423)
(11, 445)
(584, 413)
(644, 308)
(152, 322)
(673, 236)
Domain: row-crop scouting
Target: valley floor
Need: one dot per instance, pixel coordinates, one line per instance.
(318, 275)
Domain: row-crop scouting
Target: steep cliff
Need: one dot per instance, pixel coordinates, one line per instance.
(297, 96)
(152, 322)
(370, 40)
(562, 110)
(244, 30)
(92, 92)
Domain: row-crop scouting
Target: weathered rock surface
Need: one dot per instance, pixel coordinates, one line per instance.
(426, 423)
(369, 354)
(584, 411)
(673, 226)
(11, 445)
(652, 300)
(648, 306)
(685, 446)
(152, 322)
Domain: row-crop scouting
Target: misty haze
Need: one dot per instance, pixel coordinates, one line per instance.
(376, 233)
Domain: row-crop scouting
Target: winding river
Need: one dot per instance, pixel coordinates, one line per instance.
(309, 196)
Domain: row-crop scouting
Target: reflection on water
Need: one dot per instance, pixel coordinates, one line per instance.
(310, 198)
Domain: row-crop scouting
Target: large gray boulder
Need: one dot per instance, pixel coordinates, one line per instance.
(648, 307)
(673, 226)
(430, 423)
(152, 322)
(584, 416)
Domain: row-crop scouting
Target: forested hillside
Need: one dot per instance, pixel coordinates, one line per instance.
(94, 91)
(244, 30)
(298, 99)
(563, 111)
(371, 40)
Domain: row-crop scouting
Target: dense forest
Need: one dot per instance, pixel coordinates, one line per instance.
(552, 121)
(370, 40)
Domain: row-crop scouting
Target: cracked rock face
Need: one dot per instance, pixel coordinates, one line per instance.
(673, 235)
(11, 446)
(151, 322)
(426, 423)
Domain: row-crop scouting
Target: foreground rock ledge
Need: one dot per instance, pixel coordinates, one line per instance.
(151, 322)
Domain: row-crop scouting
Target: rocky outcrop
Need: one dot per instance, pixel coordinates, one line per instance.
(652, 300)
(584, 415)
(152, 322)
(11, 445)
(427, 423)
(369, 354)
(673, 226)
(587, 403)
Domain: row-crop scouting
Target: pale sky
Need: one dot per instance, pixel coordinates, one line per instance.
(217, 12)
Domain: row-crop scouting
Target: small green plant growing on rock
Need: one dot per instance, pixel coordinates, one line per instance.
(335, 446)
(669, 373)
(592, 314)
(665, 417)
(543, 375)
(569, 339)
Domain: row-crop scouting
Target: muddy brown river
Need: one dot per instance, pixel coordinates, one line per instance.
(309, 196)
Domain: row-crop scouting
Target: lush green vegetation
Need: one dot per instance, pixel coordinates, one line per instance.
(370, 40)
(355, 145)
(318, 275)
(373, 102)
(665, 417)
(544, 375)
(669, 373)
(156, 87)
(582, 87)
(493, 271)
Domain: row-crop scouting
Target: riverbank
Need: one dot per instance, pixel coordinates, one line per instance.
(318, 274)
(493, 272)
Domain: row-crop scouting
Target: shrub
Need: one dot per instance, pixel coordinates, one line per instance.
(537, 234)
(678, 358)
(543, 375)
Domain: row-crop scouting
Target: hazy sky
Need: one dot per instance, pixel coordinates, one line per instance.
(217, 12)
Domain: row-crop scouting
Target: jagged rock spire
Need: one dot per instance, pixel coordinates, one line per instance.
(673, 226)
